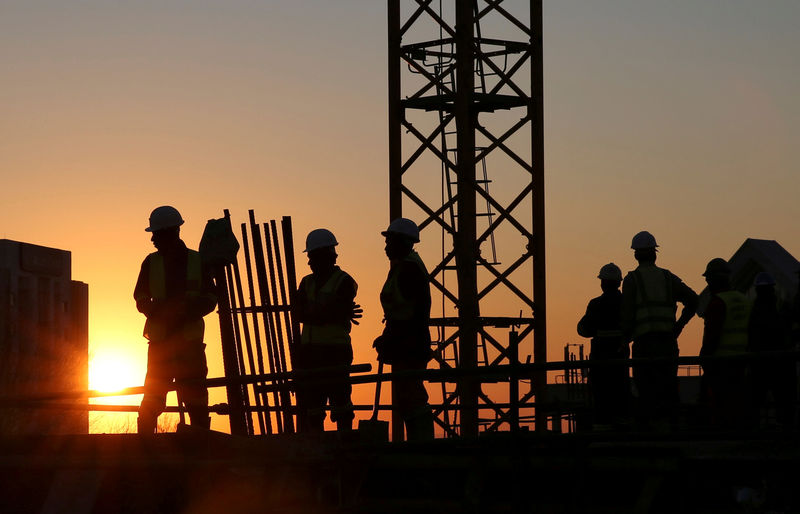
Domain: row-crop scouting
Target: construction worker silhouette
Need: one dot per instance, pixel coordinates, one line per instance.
(174, 291)
(769, 330)
(609, 383)
(724, 335)
(649, 304)
(405, 343)
(324, 304)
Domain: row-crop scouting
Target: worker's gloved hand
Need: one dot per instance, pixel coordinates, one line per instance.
(357, 314)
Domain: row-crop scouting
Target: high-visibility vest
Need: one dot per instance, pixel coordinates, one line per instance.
(395, 305)
(655, 304)
(157, 329)
(734, 330)
(324, 333)
(608, 333)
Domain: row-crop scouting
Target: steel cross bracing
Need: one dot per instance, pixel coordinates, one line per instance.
(465, 111)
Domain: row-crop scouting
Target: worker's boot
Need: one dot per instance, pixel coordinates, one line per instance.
(344, 425)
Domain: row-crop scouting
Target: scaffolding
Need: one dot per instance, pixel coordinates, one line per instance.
(465, 111)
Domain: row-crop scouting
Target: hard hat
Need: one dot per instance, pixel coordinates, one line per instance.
(320, 238)
(717, 267)
(164, 217)
(643, 240)
(404, 227)
(764, 279)
(610, 272)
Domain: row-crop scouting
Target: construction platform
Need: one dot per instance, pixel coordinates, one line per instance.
(195, 471)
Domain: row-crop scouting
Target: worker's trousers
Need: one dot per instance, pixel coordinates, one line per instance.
(610, 384)
(657, 383)
(411, 400)
(315, 390)
(175, 363)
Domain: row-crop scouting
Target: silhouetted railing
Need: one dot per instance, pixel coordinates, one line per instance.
(505, 412)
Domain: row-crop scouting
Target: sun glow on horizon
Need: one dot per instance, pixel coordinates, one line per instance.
(111, 371)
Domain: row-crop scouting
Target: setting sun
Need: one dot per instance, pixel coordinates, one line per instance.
(110, 372)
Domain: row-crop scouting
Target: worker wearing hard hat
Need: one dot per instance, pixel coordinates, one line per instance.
(725, 334)
(649, 303)
(769, 330)
(324, 304)
(609, 383)
(174, 291)
(405, 343)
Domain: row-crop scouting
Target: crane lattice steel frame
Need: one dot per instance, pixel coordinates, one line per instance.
(453, 86)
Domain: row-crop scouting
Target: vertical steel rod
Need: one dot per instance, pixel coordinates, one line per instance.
(263, 290)
(292, 325)
(276, 279)
(291, 279)
(285, 299)
(248, 342)
(536, 114)
(286, 401)
(234, 391)
(256, 330)
(395, 150)
(465, 238)
(513, 379)
(237, 337)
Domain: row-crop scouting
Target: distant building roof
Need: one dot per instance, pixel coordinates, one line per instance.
(755, 256)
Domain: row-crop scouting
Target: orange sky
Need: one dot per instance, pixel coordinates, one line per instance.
(680, 118)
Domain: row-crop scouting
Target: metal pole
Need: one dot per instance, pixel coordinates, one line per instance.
(537, 245)
(513, 382)
(465, 239)
(395, 151)
(263, 290)
(237, 337)
(256, 330)
(291, 277)
(275, 318)
(286, 298)
(248, 342)
(274, 259)
(229, 360)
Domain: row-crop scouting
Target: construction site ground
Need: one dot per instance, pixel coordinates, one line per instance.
(194, 471)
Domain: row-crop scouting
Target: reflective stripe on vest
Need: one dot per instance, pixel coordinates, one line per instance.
(655, 306)
(192, 330)
(395, 305)
(734, 330)
(328, 333)
(608, 333)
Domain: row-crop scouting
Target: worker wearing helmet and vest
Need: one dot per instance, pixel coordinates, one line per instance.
(769, 330)
(725, 334)
(609, 383)
(405, 343)
(324, 304)
(174, 291)
(649, 303)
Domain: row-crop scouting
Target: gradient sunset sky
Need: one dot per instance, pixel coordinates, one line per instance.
(679, 117)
